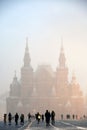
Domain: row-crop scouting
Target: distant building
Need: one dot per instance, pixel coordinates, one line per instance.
(45, 89)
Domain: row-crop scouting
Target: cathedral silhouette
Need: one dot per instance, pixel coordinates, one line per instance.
(45, 89)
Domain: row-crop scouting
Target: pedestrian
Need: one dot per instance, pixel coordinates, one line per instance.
(5, 119)
(42, 117)
(47, 118)
(9, 118)
(73, 116)
(53, 117)
(29, 117)
(16, 118)
(22, 119)
(38, 117)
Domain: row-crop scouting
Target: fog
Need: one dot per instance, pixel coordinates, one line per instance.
(44, 23)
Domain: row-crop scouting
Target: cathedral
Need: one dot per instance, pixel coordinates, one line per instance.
(45, 89)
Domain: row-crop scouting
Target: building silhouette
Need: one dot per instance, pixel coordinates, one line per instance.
(45, 89)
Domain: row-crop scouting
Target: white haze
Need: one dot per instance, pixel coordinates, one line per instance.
(44, 22)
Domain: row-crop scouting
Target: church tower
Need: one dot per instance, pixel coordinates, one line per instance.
(26, 74)
(61, 73)
(14, 95)
(15, 87)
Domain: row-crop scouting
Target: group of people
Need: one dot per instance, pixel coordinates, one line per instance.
(48, 117)
(15, 117)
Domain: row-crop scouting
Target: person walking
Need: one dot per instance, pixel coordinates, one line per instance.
(22, 119)
(42, 117)
(9, 118)
(47, 118)
(5, 119)
(38, 117)
(53, 117)
(29, 117)
(16, 118)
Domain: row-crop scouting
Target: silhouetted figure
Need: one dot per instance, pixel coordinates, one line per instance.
(42, 117)
(9, 118)
(53, 117)
(29, 117)
(5, 119)
(84, 116)
(47, 117)
(22, 119)
(38, 117)
(73, 116)
(16, 118)
(67, 116)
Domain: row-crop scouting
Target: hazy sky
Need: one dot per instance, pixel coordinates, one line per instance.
(44, 22)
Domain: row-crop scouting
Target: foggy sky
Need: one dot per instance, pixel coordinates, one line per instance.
(44, 23)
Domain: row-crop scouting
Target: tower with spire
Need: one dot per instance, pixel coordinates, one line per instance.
(14, 95)
(26, 74)
(15, 87)
(61, 73)
(76, 96)
(27, 58)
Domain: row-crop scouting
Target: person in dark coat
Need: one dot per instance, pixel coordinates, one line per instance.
(5, 118)
(29, 117)
(47, 118)
(22, 119)
(42, 117)
(16, 118)
(53, 117)
(9, 118)
(38, 117)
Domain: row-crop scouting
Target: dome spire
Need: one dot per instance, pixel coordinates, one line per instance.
(15, 77)
(27, 44)
(15, 73)
(62, 58)
(62, 50)
(27, 59)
